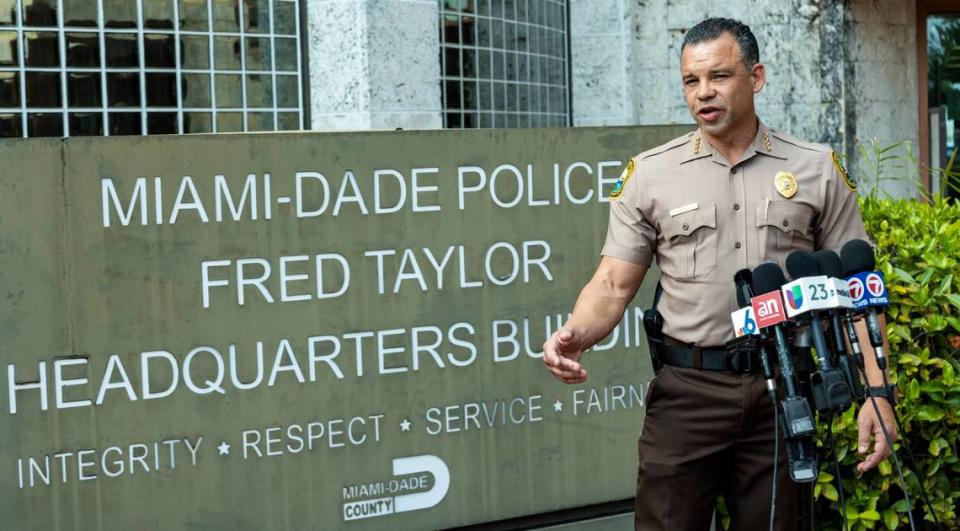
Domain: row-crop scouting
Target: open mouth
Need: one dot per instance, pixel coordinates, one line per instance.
(709, 114)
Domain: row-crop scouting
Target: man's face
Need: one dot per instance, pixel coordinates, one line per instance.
(717, 86)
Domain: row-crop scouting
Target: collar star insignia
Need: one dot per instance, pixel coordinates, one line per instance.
(696, 145)
(766, 141)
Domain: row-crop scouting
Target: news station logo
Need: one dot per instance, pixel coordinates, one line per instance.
(875, 285)
(418, 482)
(744, 323)
(768, 309)
(795, 297)
(856, 288)
(868, 289)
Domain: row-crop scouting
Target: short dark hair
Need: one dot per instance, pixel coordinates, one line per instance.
(712, 28)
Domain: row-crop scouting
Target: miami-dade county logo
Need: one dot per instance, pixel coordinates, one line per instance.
(795, 297)
(404, 492)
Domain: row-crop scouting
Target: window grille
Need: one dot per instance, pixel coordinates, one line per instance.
(122, 67)
(504, 63)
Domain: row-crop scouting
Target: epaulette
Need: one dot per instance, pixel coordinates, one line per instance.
(783, 137)
(669, 146)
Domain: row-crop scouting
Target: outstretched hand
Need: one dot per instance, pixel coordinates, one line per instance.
(561, 355)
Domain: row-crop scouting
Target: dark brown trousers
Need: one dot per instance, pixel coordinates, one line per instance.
(707, 433)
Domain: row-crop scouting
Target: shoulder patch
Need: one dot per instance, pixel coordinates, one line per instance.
(838, 165)
(624, 177)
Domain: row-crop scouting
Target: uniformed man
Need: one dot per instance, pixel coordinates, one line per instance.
(731, 195)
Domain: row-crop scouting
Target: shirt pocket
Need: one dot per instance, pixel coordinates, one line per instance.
(689, 247)
(784, 227)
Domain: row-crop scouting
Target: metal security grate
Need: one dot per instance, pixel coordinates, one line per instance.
(504, 63)
(122, 67)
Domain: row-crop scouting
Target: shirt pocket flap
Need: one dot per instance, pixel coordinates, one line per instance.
(785, 216)
(687, 223)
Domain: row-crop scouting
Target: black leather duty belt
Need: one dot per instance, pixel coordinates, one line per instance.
(709, 358)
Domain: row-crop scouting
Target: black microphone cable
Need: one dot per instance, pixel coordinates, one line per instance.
(776, 461)
(893, 453)
(743, 280)
(836, 468)
(912, 462)
(896, 461)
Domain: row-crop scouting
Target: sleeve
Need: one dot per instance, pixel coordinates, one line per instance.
(630, 236)
(839, 221)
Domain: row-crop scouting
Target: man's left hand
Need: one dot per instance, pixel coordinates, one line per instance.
(869, 426)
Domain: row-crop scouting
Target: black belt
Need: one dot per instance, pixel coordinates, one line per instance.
(677, 354)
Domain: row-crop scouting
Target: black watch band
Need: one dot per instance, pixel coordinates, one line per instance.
(884, 391)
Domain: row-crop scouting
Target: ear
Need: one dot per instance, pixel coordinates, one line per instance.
(758, 77)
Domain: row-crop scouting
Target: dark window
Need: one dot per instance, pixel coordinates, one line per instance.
(504, 63)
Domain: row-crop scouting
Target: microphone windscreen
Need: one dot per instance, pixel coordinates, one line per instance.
(829, 263)
(767, 277)
(802, 264)
(857, 256)
(743, 280)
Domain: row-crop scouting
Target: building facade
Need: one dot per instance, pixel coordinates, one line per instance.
(840, 72)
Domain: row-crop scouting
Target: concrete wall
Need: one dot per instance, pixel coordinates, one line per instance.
(601, 84)
(882, 72)
(374, 64)
(837, 73)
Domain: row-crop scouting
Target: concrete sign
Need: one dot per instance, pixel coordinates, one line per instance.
(308, 330)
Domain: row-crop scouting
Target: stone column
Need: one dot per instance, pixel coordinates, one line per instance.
(603, 93)
(882, 98)
(373, 64)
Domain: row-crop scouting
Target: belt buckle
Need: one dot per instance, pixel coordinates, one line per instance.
(741, 362)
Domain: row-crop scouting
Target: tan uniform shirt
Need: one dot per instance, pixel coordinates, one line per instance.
(705, 220)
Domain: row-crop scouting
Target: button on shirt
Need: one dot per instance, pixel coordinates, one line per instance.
(704, 220)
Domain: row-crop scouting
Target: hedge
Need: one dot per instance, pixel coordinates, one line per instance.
(918, 246)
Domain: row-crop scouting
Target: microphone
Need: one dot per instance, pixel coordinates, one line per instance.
(796, 416)
(768, 307)
(811, 292)
(867, 290)
(745, 324)
(831, 266)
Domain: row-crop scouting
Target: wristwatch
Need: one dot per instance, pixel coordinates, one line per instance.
(884, 391)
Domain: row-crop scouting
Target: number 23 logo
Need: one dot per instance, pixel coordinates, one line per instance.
(818, 292)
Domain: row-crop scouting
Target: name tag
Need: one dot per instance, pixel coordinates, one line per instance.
(685, 208)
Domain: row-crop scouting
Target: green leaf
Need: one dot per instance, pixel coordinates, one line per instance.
(930, 413)
(871, 515)
(934, 447)
(949, 376)
(913, 390)
(830, 492)
(945, 284)
(903, 276)
(954, 322)
(890, 519)
(954, 299)
(885, 468)
(900, 506)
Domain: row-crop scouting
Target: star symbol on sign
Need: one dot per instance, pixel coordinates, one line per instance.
(558, 406)
(224, 448)
(405, 425)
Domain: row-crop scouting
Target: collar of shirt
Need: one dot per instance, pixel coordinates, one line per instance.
(764, 144)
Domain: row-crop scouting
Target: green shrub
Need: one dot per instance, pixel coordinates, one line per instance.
(918, 247)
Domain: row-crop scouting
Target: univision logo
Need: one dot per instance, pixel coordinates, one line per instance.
(795, 297)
